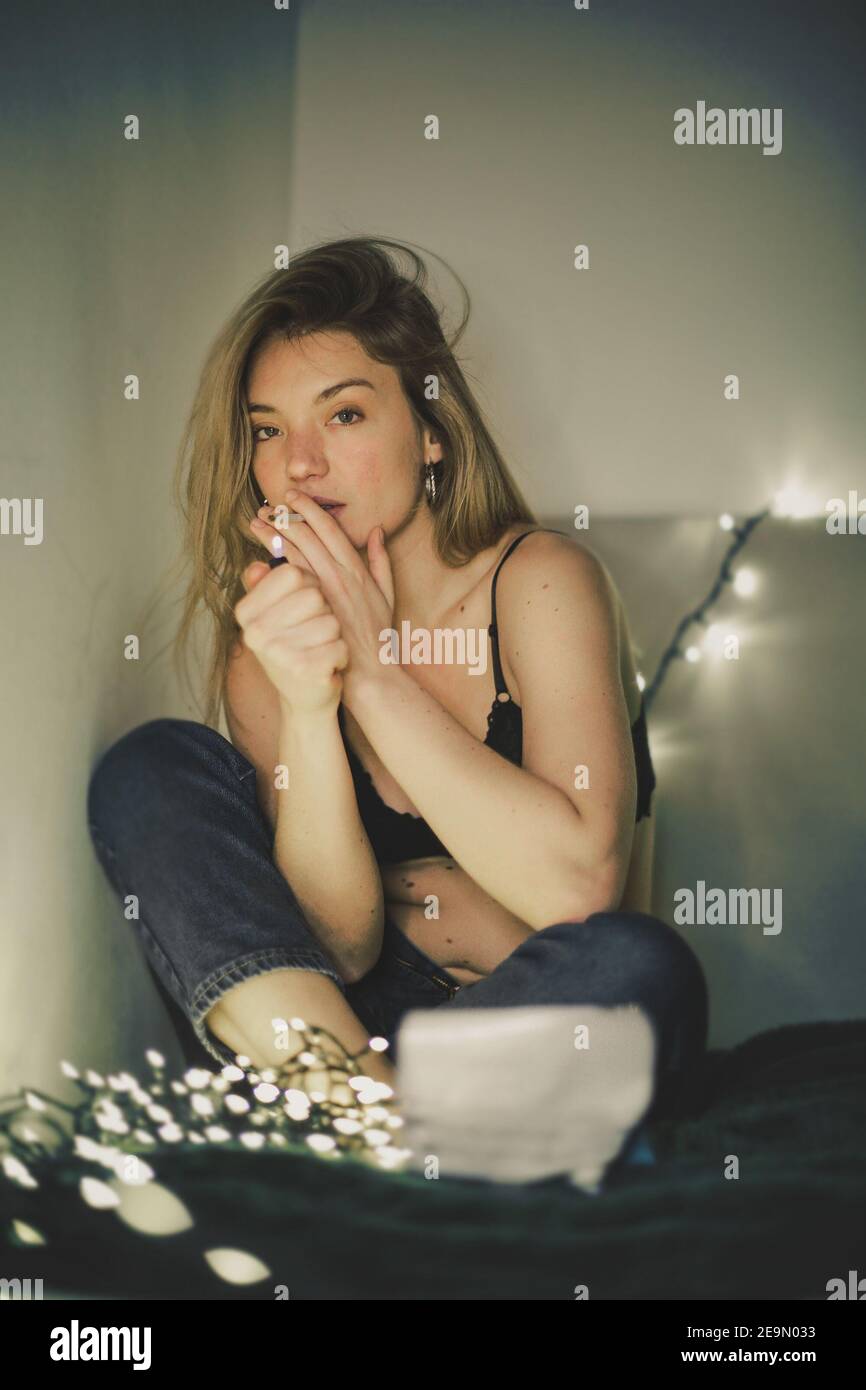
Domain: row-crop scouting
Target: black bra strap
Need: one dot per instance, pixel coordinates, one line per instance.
(501, 687)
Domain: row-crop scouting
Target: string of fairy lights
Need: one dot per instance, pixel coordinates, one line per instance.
(320, 1099)
(792, 503)
(741, 579)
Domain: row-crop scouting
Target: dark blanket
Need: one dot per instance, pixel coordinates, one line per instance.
(790, 1104)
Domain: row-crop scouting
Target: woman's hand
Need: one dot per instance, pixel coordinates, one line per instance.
(287, 622)
(360, 596)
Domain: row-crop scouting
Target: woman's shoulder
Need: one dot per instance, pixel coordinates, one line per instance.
(554, 560)
(562, 556)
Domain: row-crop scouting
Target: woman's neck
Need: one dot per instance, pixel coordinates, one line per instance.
(424, 587)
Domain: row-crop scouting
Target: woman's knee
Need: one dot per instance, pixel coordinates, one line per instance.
(649, 941)
(667, 969)
(148, 754)
(634, 949)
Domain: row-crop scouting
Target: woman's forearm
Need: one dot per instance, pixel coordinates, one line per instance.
(517, 836)
(321, 847)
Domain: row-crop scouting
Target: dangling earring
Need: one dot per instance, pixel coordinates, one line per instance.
(430, 482)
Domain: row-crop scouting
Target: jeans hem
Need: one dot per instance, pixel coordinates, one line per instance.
(246, 968)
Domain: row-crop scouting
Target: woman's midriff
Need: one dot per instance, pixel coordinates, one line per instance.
(448, 916)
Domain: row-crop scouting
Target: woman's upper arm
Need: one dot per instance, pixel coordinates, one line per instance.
(252, 709)
(558, 621)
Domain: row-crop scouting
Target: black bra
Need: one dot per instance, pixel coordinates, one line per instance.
(397, 836)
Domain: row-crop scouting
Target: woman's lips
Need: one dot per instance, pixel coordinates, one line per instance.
(332, 507)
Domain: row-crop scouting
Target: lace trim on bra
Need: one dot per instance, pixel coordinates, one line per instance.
(640, 744)
(368, 776)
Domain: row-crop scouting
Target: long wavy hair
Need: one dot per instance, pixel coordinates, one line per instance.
(352, 285)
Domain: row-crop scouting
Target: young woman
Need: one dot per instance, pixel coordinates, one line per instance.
(383, 836)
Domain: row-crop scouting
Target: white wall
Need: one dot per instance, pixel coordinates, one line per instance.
(556, 128)
(118, 257)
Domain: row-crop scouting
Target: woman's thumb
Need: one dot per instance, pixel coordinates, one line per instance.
(254, 574)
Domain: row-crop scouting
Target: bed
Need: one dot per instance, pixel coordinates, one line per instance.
(788, 1104)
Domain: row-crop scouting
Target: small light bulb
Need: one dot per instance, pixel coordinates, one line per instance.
(726, 521)
(693, 654)
(745, 582)
(796, 503)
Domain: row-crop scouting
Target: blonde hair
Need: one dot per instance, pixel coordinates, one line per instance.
(352, 286)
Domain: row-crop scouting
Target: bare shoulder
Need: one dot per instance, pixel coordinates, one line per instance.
(555, 582)
(252, 709)
(548, 560)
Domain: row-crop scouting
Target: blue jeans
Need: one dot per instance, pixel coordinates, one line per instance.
(175, 820)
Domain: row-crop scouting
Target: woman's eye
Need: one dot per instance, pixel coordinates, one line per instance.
(344, 410)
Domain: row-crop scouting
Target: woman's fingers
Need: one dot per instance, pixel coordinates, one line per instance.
(280, 652)
(322, 540)
(288, 588)
(320, 631)
(253, 573)
(265, 533)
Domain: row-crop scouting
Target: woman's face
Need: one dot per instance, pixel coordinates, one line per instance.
(356, 444)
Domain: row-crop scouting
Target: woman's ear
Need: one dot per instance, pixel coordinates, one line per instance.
(432, 448)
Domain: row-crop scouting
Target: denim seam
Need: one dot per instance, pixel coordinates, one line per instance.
(238, 757)
(442, 985)
(211, 990)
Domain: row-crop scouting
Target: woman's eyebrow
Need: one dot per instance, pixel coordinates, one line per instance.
(325, 395)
